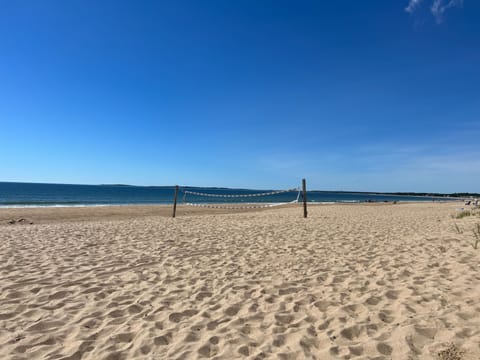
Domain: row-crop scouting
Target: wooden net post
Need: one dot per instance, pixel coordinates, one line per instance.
(175, 201)
(304, 193)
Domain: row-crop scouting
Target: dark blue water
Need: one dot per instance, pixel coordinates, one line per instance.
(31, 194)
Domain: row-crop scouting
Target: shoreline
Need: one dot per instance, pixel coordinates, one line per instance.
(312, 202)
(45, 215)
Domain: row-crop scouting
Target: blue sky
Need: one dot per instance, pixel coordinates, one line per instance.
(353, 95)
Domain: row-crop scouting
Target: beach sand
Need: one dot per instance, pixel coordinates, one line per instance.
(371, 281)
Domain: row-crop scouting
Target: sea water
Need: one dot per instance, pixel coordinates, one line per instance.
(14, 194)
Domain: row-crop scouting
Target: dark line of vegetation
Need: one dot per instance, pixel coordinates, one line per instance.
(459, 195)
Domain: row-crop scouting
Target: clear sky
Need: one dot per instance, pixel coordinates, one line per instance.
(377, 95)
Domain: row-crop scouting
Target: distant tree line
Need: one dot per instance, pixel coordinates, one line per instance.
(460, 195)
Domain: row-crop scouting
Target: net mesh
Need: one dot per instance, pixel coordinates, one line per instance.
(215, 200)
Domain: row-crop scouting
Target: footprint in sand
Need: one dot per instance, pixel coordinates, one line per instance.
(163, 340)
(373, 300)
(392, 294)
(232, 310)
(283, 319)
(202, 295)
(208, 350)
(134, 309)
(352, 332)
(176, 317)
(384, 349)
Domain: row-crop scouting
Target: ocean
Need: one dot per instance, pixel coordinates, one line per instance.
(14, 194)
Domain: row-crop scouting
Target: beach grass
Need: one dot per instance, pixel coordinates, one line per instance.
(457, 228)
(476, 234)
(465, 213)
(462, 214)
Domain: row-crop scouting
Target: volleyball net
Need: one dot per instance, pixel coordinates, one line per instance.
(240, 199)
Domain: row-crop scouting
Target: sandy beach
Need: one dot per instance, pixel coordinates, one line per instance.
(363, 281)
